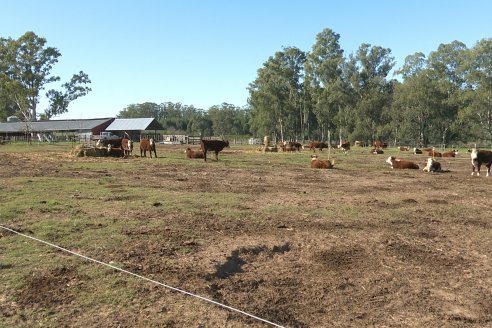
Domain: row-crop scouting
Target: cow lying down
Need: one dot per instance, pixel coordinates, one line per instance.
(321, 163)
(433, 166)
(400, 163)
(190, 153)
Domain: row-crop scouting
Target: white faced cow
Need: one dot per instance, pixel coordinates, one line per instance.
(479, 157)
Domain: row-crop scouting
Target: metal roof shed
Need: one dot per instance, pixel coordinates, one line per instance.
(134, 126)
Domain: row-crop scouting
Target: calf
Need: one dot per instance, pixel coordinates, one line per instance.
(213, 145)
(321, 163)
(400, 163)
(479, 157)
(317, 144)
(432, 166)
(377, 151)
(417, 151)
(190, 153)
(147, 145)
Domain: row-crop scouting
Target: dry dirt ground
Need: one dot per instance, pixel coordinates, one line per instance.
(361, 245)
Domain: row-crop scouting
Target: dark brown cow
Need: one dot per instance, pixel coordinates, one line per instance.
(480, 157)
(190, 153)
(147, 145)
(317, 144)
(345, 146)
(213, 145)
(377, 151)
(321, 163)
(417, 151)
(294, 145)
(400, 163)
(432, 166)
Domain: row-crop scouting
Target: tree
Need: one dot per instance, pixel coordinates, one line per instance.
(275, 94)
(25, 70)
(324, 66)
(477, 114)
(368, 71)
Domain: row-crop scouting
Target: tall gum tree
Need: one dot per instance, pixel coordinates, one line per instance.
(25, 71)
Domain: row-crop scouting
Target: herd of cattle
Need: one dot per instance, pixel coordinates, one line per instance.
(124, 147)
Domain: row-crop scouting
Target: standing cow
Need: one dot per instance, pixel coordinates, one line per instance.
(479, 157)
(213, 145)
(147, 145)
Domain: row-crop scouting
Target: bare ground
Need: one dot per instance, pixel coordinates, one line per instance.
(360, 245)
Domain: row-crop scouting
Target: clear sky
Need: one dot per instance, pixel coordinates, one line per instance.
(206, 52)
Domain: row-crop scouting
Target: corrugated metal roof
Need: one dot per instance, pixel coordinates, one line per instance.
(133, 124)
(56, 125)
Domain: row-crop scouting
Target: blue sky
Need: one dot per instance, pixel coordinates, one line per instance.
(204, 53)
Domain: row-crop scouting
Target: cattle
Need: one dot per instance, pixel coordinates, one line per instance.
(294, 145)
(345, 146)
(451, 153)
(401, 164)
(403, 148)
(213, 145)
(434, 153)
(127, 146)
(147, 145)
(377, 151)
(190, 153)
(317, 144)
(115, 151)
(479, 157)
(417, 151)
(379, 144)
(321, 163)
(432, 166)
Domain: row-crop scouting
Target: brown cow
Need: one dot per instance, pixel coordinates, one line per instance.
(214, 145)
(434, 153)
(127, 146)
(321, 163)
(345, 146)
(190, 153)
(317, 144)
(451, 153)
(400, 163)
(417, 151)
(147, 145)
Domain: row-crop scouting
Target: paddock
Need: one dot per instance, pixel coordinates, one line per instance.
(357, 245)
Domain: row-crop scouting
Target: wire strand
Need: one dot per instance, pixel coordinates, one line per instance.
(144, 278)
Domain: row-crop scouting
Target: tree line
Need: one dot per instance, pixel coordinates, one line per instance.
(440, 98)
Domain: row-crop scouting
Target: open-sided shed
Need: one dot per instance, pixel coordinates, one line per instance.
(136, 127)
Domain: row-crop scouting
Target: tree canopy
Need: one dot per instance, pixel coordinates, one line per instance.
(25, 71)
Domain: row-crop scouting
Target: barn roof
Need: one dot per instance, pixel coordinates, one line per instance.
(134, 124)
(55, 125)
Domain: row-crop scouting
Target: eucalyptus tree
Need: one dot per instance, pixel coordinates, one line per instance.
(446, 65)
(276, 93)
(323, 79)
(477, 114)
(367, 74)
(415, 100)
(25, 71)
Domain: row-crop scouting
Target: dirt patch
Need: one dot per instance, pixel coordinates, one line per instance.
(362, 245)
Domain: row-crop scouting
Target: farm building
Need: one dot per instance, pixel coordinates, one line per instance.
(135, 128)
(80, 130)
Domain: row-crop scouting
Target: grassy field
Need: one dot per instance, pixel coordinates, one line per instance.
(359, 245)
